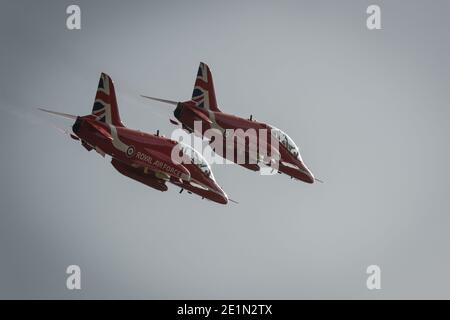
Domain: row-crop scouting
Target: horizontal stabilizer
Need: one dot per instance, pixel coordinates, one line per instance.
(161, 100)
(64, 115)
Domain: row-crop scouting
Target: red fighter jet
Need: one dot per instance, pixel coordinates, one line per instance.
(141, 156)
(203, 107)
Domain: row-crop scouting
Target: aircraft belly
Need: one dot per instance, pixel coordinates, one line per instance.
(139, 174)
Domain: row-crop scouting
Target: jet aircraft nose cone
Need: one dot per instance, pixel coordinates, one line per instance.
(310, 178)
(306, 174)
(223, 198)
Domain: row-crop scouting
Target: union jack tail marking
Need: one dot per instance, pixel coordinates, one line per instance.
(105, 107)
(203, 94)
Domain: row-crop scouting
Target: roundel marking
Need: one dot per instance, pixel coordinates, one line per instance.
(130, 151)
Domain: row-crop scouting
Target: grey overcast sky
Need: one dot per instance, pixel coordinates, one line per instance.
(368, 109)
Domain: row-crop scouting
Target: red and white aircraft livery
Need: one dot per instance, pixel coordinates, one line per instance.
(203, 107)
(141, 156)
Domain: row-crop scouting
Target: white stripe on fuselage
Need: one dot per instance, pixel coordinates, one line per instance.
(117, 143)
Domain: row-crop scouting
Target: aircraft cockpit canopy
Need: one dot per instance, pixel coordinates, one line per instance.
(197, 159)
(286, 141)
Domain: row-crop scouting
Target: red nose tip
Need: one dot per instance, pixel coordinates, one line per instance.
(223, 200)
(306, 174)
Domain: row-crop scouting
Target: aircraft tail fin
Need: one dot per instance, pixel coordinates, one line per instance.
(105, 105)
(203, 94)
